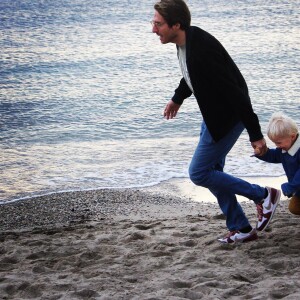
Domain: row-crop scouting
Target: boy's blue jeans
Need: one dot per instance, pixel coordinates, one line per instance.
(206, 169)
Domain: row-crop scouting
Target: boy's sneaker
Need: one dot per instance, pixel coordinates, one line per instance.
(266, 209)
(239, 237)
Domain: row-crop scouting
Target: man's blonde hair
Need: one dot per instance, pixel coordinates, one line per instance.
(281, 126)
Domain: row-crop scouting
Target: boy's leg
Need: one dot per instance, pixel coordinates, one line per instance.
(294, 204)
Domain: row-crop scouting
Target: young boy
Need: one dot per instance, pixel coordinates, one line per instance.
(284, 133)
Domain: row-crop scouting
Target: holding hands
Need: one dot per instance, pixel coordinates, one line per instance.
(260, 147)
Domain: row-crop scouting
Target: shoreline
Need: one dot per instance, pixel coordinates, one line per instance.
(184, 188)
(171, 198)
(181, 187)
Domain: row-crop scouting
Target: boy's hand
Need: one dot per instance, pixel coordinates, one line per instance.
(260, 147)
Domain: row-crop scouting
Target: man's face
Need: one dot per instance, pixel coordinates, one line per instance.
(161, 28)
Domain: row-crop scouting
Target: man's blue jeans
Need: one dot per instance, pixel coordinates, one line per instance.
(206, 169)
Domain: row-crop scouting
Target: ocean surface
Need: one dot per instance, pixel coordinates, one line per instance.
(83, 85)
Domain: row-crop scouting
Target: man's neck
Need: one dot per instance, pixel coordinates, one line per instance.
(181, 38)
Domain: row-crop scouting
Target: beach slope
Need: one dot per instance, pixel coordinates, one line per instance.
(134, 244)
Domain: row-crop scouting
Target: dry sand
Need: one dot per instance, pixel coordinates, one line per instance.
(146, 244)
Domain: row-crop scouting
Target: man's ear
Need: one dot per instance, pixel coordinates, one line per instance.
(176, 26)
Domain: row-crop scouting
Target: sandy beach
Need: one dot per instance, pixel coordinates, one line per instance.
(151, 243)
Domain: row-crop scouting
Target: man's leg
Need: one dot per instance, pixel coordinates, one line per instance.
(235, 217)
(206, 169)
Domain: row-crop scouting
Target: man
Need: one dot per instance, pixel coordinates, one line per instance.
(222, 95)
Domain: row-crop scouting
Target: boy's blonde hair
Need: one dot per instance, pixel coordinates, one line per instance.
(281, 126)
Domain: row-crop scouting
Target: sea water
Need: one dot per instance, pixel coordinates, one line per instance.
(84, 84)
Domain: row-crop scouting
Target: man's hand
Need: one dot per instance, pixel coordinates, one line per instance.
(260, 147)
(171, 110)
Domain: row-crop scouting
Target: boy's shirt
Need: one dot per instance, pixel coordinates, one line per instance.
(290, 161)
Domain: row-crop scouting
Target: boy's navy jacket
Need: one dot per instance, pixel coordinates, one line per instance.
(218, 85)
(291, 164)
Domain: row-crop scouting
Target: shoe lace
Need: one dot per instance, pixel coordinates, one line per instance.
(259, 208)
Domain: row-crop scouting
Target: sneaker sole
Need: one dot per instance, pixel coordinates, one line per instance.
(264, 225)
(248, 239)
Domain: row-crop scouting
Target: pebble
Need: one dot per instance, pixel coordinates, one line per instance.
(67, 208)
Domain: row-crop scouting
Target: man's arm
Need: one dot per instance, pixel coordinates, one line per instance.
(182, 92)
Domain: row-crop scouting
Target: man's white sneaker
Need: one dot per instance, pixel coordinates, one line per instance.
(239, 237)
(266, 209)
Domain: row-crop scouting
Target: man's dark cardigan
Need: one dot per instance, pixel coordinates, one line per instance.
(218, 85)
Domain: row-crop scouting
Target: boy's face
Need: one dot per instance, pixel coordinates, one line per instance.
(284, 143)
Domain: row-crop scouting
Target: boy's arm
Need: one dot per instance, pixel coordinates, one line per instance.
(293, 186)
(271, 156)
